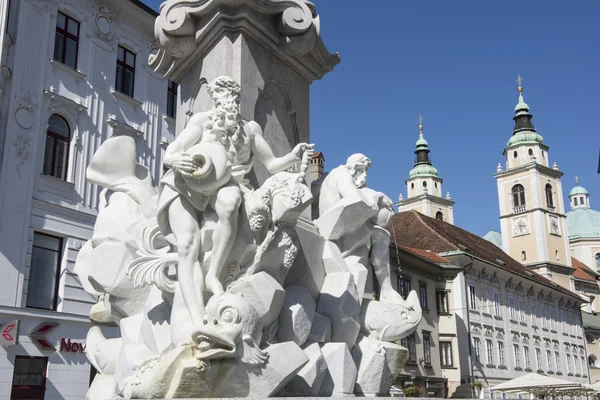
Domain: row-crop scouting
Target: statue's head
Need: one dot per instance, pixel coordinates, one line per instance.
(226, 118)
(231, 328)
(358, 165)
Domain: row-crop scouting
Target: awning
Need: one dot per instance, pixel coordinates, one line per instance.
(541, 384)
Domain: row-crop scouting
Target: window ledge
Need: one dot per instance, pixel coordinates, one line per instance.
(545, 329)
(523, 323)
(169, 120)
(444, 313)
(518, 369)
(569, 374)
(122, 96)
(122, 127)
(578, 375)
(558, 373)
(514, 321)
(540, 371)
(528, 370)
(54, 181)
(490, 366)
(66, 68)
(553, 330)
(502, 367)
(449, 367)
(485, 314)
(498, 317)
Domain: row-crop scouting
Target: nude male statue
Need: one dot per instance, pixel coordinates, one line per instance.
(180, 207)
(371, 240)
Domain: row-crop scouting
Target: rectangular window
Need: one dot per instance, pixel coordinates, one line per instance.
(543, 317)
(172, 99)
(423, 295)
(511, 308)
(404, 287)
(442, 302)
(497, 309)
(66, 40)
(532, 313)
(125, 79)
(489, 350)
(522, 312)
(557, 360)
(516, 356)
(29, 378)
(501, 353)
(563, 320)
(551, 318)
(549, 360)
(538, 359)
(526, 356)
(410, 343)
(42, 289)
(446, 354)
(472, 298)
(576, 364)
(569, 368)
(426, 349)
(477, 350)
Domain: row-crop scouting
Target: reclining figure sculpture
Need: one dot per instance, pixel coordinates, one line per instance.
(195, 272)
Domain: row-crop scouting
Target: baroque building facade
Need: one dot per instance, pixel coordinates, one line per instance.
(74, 73)
(508, 320)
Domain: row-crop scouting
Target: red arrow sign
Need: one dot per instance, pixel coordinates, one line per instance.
(38, 333)
(9, 333)
(6, 332)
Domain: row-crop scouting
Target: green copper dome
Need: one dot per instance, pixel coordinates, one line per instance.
(578, 190)
(423, 170)
(523, 132)
(421, 142)
(583, 223)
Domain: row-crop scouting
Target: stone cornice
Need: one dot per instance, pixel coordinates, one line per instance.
(426, 196)
(122, 127)
(187, 30)
(532, 165)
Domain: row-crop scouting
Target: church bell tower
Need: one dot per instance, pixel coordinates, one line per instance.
(532, 213)
(424, 186)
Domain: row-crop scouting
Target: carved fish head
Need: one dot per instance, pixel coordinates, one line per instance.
(231, 329)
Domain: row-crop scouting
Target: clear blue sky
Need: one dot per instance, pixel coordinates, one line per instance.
(456, 63)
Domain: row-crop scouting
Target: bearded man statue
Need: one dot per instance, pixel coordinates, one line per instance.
(208, 164)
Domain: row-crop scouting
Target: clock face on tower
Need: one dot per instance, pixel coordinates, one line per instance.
(520, 226)
(554, 225)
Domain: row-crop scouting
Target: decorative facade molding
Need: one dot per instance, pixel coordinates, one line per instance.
(22, 145)
(103, 24)
(530, 292)
(119, 127)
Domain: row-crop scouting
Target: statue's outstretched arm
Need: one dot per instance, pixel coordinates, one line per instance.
(262, 151)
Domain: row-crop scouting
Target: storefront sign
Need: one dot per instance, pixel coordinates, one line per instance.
(9, 333)
(71, 347)
(37, 335)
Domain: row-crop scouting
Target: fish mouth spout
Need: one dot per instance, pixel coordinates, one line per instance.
(212, 345)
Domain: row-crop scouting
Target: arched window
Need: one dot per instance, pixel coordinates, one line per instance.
(530, 152)
(424, 184)
(515, 154)
(597, 256)
(439, 215)
(549, 198)
(56, 155)
(575, 200)
(518, 192)
(523, 256)
(412, 185)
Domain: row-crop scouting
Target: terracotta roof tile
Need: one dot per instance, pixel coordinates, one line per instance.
(415, 230)
(582, 271)
(427, 255)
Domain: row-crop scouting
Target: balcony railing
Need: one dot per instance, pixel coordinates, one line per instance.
(519, 209)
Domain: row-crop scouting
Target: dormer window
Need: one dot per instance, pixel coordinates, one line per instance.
(549, 197)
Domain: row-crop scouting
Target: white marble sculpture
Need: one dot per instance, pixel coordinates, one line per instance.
(353, 218)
